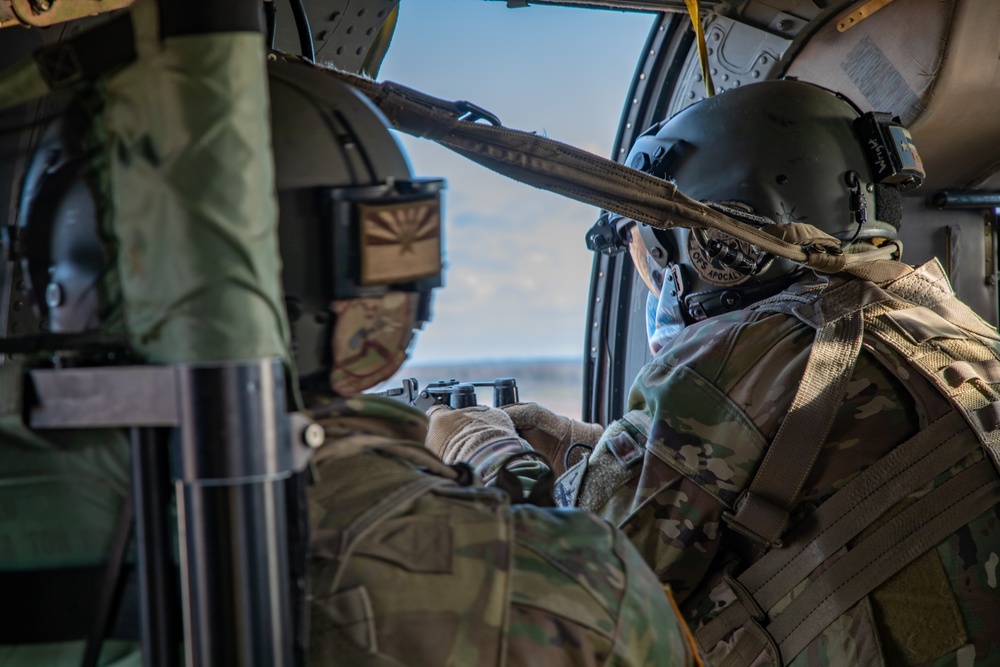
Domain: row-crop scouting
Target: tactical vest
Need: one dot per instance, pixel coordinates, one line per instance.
(890, 514)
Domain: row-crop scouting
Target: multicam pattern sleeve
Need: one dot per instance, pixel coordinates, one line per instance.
(456, 575)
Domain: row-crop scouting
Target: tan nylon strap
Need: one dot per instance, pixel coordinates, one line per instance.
(843, 516)
(730, 618)
(585, 177)
(762, 512)
(889, 549)
(754, 640)
(867, 496)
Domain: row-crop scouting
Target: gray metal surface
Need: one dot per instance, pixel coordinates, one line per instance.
(104, 397)
(234, 457)
(343, 30)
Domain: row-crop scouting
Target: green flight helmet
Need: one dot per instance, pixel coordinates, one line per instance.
(360, 237)
(776, 151)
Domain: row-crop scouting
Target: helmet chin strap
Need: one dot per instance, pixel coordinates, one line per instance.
(702, 305)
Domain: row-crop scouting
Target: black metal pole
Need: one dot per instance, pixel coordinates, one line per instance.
(965, 199)
(234, 460)
(159, 586)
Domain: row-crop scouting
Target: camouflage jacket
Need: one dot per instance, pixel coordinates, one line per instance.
(700, 418)
(410, 567)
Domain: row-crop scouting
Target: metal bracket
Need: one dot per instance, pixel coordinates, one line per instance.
(44, 13)
(860, 14)
(131, 396)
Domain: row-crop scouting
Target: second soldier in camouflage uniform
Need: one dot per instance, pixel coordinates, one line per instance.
(890, 571)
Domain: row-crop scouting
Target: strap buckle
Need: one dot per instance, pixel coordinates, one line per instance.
(473, 112)
(763, 514)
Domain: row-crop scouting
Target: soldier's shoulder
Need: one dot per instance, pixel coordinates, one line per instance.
(579, 576)
(741, 337)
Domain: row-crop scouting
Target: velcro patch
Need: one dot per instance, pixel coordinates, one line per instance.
(921, 324)
(625, 449)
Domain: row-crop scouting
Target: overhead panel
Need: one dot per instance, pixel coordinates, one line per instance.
(344, 31)
(626, 5)
(738, 54)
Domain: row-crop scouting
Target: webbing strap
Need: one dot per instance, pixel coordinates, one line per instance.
(856, 506)
(860, 571)
(337, 545)
(566, 170)
(754, 640)
(699, 31)
(886, 551)
(843, 516)
(762, 512)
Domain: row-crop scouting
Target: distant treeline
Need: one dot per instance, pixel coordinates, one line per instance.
(559, 371)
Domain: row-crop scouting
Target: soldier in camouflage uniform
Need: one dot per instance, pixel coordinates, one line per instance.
(411, 562)
(809, 462)
(414, 562)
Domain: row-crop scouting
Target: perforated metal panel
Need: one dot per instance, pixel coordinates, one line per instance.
(343, 30)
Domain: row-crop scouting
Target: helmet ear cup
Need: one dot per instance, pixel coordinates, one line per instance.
(63, 253)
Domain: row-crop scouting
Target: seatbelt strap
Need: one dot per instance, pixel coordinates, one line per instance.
(566, 170)
(885, 552)
(858, 505)
(860, 571)
(763, 509)
(841, 518)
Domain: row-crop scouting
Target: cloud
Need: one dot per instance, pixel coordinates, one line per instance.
(518, 271)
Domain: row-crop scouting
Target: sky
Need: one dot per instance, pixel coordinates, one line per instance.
(518, 270)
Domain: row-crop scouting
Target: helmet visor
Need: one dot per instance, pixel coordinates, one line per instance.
(643, 259)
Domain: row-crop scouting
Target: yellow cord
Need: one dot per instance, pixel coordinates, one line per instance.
(699, 31)
(685, 630)
(377, 51)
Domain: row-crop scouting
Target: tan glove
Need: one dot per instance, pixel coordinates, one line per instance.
(457, 435)
(553, 434)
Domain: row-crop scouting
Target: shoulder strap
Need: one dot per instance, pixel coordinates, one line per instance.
(762, 511)
(876, 558)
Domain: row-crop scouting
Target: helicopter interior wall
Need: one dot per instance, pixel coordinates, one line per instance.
(924, 60)
(965, 241)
